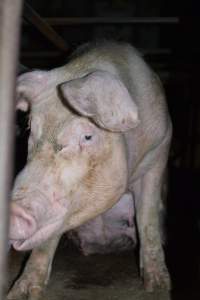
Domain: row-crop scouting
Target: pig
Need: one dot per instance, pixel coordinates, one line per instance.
(112, 231)
(99, 129)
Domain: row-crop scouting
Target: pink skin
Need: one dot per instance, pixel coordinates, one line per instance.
(22, 224)
(29, 225)
(42, 208)
(70, 179)
(113, 231)
(70, 150)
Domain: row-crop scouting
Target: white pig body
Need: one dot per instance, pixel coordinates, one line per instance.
(100, 128)
(112, 231)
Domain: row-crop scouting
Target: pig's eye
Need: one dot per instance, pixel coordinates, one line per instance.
(88, 137)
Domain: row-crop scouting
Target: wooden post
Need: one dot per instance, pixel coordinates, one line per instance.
(10, 12)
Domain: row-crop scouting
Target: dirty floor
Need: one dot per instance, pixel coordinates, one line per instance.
(105, 277)
(115, 277)
(99, 277)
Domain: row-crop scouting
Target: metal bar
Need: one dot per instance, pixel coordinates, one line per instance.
(113, 20)
(10, 12)
(39, 54)
(54, 54)
(35, 19)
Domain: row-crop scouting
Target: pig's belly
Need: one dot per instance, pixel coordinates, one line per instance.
(113, 231)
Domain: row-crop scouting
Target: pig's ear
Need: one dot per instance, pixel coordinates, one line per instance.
(29, 86)
(104, 98)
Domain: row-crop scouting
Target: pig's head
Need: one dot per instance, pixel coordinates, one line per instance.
(76, 167)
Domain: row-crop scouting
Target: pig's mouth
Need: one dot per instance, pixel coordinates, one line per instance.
(40, 236)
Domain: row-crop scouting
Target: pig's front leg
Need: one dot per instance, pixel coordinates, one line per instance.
(36, 273)
(148, 201)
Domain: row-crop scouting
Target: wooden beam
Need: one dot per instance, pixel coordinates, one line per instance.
(34, 18)
(112, 20)
(10, 12)
(54, 54)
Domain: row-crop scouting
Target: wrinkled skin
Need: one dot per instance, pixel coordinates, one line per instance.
(99, 129)
(112, 231)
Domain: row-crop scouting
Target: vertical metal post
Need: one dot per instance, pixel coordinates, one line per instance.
(10, 11)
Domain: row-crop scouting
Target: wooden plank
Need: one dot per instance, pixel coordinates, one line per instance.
(112, 20)
(34, 18)
(10, 12)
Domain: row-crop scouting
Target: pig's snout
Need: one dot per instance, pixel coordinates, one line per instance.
(22, 223)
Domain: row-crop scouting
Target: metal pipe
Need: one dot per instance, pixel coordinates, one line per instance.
(55, 54)
(34, 18)
(39, 54)
(10, 12)
(112, 20)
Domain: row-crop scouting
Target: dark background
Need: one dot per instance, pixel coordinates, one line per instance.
(173, 51)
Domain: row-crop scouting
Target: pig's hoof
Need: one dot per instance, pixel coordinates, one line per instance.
(156, 277)
(25, 288)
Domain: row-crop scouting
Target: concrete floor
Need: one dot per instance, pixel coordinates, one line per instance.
(115, 277)
(105, 277)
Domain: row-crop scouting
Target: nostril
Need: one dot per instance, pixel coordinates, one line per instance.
(22, 223)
